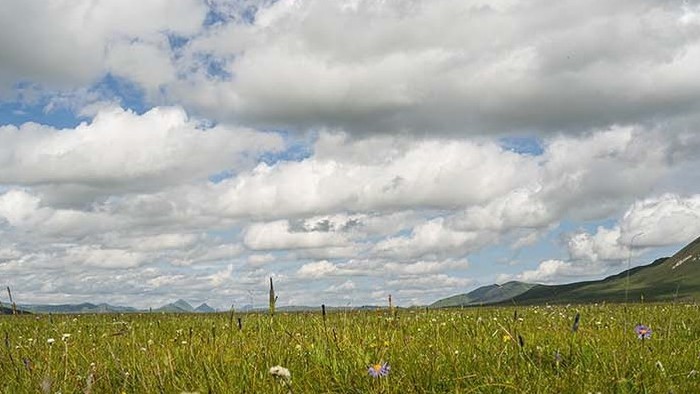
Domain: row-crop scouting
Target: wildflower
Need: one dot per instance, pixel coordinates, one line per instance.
(660, 366)
(378, 370)
(557, 358)
(65, 337)
(50, 341)
(643, 332)
(280, 372)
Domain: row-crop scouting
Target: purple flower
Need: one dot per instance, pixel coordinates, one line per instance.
(378, 370)
(643, 332)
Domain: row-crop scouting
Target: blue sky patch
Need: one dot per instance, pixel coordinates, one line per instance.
(524, 145)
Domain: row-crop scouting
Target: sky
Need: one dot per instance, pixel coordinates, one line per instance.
(156, 150)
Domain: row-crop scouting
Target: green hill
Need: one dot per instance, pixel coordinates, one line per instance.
(485, 295)
(85, 307)
(7, 310)
(674, 278)
(666, 279)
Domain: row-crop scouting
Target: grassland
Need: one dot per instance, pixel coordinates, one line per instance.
(491, 350)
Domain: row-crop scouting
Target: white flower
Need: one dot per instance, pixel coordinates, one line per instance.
(282, 373)
(50, 341)
(65, 336)
(660, 366)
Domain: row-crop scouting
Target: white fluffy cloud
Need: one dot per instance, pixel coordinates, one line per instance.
(552, 271)
(122, 149)
(317, 269)
(603, 245)
(278, 235)
(664, 220)
(69, 44)
(380, 66)
(432, 239)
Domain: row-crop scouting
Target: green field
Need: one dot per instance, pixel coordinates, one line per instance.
(430, 351)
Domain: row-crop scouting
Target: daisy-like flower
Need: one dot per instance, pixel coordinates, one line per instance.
(378, 370)
(281, 373)
(50, 341)
(643, 332)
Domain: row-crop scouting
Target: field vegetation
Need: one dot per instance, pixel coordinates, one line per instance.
(534, 349)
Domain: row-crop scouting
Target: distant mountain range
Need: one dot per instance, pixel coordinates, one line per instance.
(182, 306)
(666, 279)
(179, 306)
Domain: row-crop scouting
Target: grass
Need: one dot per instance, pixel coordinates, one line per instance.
(474, 350)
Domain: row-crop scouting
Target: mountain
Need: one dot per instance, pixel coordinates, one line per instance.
(204, 308)
(666, 279)
(485, 295)
(85, 307)
(7, 310)
(179, 306)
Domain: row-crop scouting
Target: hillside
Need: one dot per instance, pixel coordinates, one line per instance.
(666, 279)
(204, 308)
(85, 307)
(179, 306)
(485, 295)
(7, 310)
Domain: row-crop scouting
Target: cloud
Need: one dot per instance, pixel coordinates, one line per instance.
(62, 32)
(552, 271)
(486, 187)
(666, 220)
(278, 235)
(317, 269)
(432, 239)
(430, 282)
(411, 174)
(123, 150)
(661, 221)
(424, 267)
(603, 245)
(511, 67)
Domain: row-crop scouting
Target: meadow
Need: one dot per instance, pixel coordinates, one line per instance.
(535, 349)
